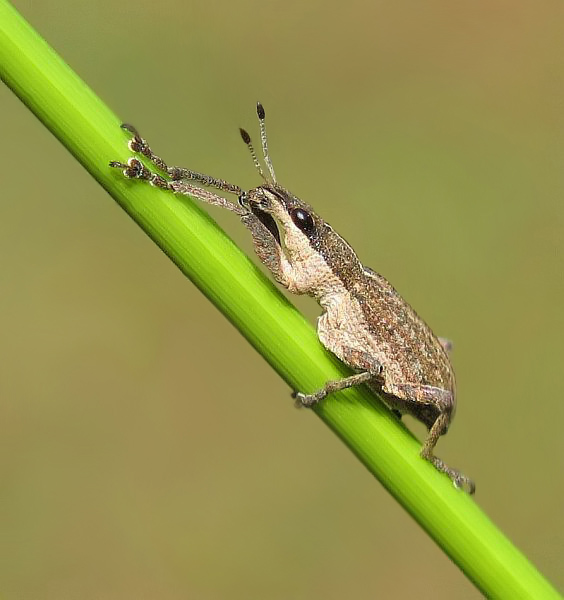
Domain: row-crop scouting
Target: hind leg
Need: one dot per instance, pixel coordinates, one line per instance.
(433, 406)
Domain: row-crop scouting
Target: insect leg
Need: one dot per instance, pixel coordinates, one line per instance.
(140, 146)
(135, 169)
(459, 479)
(309, 400)
(427, 400)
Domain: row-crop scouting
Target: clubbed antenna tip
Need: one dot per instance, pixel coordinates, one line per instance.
(246, 137)
(264, 141)
(260, 111)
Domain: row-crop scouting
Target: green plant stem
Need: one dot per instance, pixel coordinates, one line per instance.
(90, 131)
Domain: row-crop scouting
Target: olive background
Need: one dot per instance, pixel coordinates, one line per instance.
(147, 450)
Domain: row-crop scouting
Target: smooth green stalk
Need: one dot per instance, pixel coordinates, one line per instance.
(90, 131)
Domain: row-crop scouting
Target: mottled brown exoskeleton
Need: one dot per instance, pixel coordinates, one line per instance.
(365, 322)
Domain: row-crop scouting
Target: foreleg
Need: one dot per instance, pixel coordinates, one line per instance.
(179, 177)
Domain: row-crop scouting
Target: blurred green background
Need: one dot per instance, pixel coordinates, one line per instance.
(147, 451)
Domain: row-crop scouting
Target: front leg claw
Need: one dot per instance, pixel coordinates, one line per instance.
(136, 143)
(140, 146)
(133, 169)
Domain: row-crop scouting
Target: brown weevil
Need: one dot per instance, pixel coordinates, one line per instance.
(365, 322)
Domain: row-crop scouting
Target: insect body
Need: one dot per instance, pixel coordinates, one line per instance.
(365, 322)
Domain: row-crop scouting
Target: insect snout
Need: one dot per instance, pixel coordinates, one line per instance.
(260, 202)
(253, 199)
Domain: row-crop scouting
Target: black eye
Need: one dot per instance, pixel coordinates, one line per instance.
(302, 219)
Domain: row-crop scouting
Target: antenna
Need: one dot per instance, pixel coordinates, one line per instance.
(263, 139)
(247, 139)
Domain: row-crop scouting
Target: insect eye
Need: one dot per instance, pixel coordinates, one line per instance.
(302, 219)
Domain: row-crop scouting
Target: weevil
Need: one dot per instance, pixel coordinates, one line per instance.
(365, 322)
